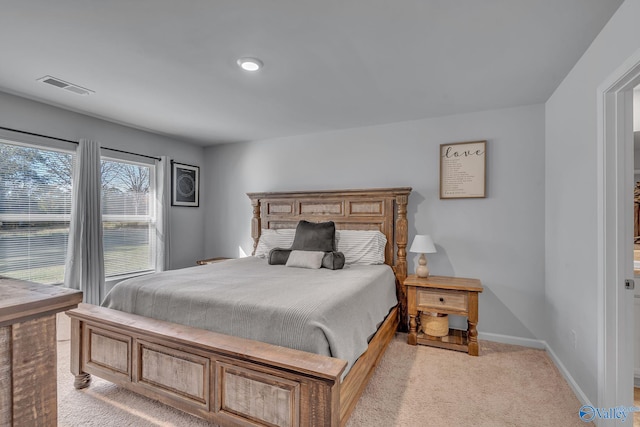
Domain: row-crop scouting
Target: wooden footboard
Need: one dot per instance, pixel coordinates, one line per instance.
(227, 380)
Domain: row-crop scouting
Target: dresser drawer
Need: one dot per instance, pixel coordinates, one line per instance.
(440, 299)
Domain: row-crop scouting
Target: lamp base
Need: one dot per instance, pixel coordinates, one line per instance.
(421, 269)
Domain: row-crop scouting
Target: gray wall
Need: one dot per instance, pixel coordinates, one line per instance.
(499, 240)
(186, 223)
(571, 198)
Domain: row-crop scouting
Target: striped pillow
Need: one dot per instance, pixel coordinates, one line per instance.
(274, 238)
(364, 247)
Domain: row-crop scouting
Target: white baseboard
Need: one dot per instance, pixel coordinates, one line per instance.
(567, 376)
(540, 344)
(508, 339)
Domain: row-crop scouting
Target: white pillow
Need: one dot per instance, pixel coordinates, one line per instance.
(364, 247)
(274, 238)
(305, 259)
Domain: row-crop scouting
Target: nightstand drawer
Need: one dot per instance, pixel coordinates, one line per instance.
(439, 299)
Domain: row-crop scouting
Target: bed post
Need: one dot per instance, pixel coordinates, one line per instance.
(82, 379)
(256, 223)
(401, 260)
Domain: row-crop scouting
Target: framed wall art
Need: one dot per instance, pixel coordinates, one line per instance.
(185, 185)
(463, 170)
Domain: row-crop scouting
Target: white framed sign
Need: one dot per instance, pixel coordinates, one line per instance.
(463, 170)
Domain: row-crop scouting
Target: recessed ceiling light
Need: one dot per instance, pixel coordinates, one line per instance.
(250, 64)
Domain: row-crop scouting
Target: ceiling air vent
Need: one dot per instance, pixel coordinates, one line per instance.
(79, 90)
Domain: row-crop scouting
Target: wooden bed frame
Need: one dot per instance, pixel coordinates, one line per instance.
(234, 381)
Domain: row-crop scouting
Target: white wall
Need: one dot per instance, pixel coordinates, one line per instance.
(570, 197)
(186, 223)
(636, 152)
(498, 239)
(636, 109)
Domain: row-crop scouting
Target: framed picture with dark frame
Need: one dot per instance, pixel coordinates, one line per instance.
(185, 185)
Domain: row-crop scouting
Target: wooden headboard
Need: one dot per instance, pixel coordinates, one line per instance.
(383, 209)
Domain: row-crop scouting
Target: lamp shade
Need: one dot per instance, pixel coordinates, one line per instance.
(422, 244)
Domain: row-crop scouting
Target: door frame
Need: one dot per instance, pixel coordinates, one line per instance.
(615, 235)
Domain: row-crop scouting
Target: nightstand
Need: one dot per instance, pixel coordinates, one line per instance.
(211, 260)
(446, 295)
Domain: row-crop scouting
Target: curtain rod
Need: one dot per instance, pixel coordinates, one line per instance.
(76, 142)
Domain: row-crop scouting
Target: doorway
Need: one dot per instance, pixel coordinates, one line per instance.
(636, 252)
(615, 235)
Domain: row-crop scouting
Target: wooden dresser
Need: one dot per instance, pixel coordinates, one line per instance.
(28, 386)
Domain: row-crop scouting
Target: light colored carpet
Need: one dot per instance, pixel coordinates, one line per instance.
(413, 386)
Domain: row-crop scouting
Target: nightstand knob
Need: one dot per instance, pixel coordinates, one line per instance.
(441, 299)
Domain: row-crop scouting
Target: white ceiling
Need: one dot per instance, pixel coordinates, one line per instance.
(169, 66)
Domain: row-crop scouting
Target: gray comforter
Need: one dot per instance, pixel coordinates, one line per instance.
(328, 312)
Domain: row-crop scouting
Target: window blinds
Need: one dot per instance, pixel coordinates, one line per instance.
(35, 204)
(35, 207)
(128, 217)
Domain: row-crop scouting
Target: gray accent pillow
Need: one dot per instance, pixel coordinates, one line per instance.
(278, 256)
(305, 259)
(332, 260)
(315, 236)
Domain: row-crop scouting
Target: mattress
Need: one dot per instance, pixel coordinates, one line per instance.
(328, 312)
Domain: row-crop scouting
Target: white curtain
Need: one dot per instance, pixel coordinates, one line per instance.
(163, 209)
(84, 266)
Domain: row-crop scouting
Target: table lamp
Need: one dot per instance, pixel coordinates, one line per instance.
(422, 244)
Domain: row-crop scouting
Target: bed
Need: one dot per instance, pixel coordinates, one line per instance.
(236, 381)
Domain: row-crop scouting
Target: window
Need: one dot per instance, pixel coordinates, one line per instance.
(128, 217)
(35, 210)
(35, 207)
